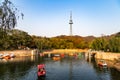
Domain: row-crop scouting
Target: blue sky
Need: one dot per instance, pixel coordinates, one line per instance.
(51, 17)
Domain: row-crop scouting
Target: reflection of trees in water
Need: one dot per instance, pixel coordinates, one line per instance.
(16, 69)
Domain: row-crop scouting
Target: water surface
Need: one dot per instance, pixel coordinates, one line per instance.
(68, 68)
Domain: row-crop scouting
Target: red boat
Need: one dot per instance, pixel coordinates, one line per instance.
(102, 63)
(6, 56)
(41, 70)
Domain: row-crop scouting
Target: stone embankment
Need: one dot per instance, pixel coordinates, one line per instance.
(69, 50)
(65, 51)
(107, 55)
(19, 53)
(114, 57)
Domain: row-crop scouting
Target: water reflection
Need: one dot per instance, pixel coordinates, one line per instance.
(16, 68)
(67, 68)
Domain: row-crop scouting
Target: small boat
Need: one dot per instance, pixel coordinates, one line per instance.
(6, 56)
(102, 63)
(41, 70)
(56, 57)
(62, 55)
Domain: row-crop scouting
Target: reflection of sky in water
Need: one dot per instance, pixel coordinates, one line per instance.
(64, 69)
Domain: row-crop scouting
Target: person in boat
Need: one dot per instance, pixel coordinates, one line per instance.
(41, 72)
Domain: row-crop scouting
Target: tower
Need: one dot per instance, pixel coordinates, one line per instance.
(70, 22)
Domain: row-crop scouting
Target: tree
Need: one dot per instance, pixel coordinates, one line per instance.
(8, 15)
(8, 20)
(114, 44)
(99, 44)
(20, 38)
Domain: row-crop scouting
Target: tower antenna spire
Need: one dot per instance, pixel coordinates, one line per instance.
(70, 22)
(70, 15)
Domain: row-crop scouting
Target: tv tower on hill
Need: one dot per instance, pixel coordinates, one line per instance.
(70, 22)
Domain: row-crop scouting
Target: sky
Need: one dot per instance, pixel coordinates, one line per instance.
(50, 18)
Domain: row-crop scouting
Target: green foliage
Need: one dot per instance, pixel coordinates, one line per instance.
(17, 39)
(60, 42)
(114, 44)
(111, 44)
(8, 20)
(21, 38)
(99, 44)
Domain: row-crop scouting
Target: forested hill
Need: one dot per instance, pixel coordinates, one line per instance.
(17, 39)
(76, 37)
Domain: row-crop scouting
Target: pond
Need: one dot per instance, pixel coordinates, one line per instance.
(68, 68)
